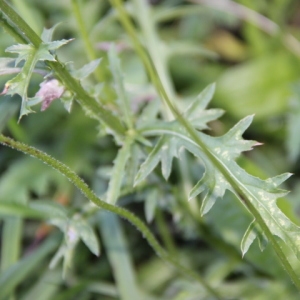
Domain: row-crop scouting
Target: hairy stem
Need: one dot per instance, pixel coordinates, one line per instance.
(233, 181)
(124, 213)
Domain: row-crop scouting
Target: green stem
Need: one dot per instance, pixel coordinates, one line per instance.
(244, 196)
(91, 53)
(156, 49)
(11, 30)
(89, 194)
(90, 105)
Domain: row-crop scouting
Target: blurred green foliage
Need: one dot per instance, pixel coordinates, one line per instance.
(255, 72)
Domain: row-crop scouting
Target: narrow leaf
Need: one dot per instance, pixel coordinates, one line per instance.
(150, 163)
(16, 209)
(120, 89)
(248, 238)
(118, 256)
(201, 101)
(150, 204)
(118, 172)
(25, 267)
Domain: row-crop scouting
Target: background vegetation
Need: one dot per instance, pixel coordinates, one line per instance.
(250, 49)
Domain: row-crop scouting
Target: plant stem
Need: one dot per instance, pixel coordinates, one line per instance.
(126, 214)
(11, 30)
(156, 49)
(233, 181)
(91, 53)
(90, 105)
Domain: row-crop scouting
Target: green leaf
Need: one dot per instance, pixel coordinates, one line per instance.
(25, 267)
(118, 172)
(133, 164)
(87, 234)
(86, 70)
(164, 151)
(19, 84)
(47, 34)
(262, 193)
(52, 210)
(213, 184)
(7, 65)
(123, 100)
(148, 114)
(250, 235)
(248, 238)
(118, 256)
(168, 147)
(74, 229)
(23, 51)
(196, 112)
(26, 175)
(41, 289)
(14, 209)
(150, 204)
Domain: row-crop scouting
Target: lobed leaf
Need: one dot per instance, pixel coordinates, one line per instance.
(164, 151)
(19, 84)
(223, 151)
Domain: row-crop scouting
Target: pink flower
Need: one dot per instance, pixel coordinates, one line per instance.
(49, 90)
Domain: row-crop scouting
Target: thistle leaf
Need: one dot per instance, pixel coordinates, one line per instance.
(262, 193)
(223, 173)
(197, 114)
(23, 51)
(213, 184)
(164, 151)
